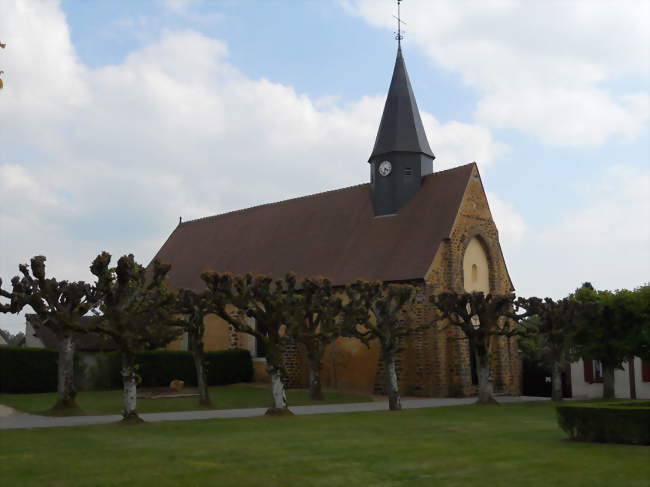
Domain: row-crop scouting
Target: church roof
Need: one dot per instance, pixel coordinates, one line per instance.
(401, 127)
(333, 234)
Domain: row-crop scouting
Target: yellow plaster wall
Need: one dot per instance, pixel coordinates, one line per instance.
(476, 269)
(350, 366)
(216, 333)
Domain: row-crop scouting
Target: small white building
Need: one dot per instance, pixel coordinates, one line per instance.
(587, 379)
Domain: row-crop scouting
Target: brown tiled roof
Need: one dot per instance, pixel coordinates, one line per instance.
(333, 234)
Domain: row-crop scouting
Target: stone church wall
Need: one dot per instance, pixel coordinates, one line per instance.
(435, 362)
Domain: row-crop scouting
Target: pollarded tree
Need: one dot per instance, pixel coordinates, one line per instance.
(59, 306)
(236, 298)
(481, 317)
(12, 306)
(554, 328)
(195, 307)
(315, 323)
(377, 310)
(137, 312)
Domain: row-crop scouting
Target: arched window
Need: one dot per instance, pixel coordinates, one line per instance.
(476, 268)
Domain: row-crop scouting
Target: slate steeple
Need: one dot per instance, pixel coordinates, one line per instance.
(401, 155)
(401, 127)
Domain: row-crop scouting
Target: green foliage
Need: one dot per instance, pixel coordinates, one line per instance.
(554, 324)
(193, 307)
(616, 422)
(481, 316)
(136, 310)
(531, 343)
(158, 368)
(615, 327)
(27, 369)
(58, 304)
(314, 322)
(388, 305)
(236, 298)
(229, 366)
(641, 310)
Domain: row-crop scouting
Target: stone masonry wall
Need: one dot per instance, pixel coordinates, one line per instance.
(436, 362)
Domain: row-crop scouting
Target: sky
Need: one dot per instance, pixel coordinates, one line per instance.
(119, 117)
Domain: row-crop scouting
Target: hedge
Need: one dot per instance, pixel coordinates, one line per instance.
(616, 422)
(229, 366)
(158, 368)
(34, 370)
(27, 369)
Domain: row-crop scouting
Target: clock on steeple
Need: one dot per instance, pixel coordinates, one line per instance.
(401, 156)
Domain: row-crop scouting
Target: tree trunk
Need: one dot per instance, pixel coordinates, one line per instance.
(484, 385)
(315, 389)
(392, 387)
(556, 382)
(129, 394)
(65, 375)
(201, 373)
(608, 382)
(278, 393)
(632, 375)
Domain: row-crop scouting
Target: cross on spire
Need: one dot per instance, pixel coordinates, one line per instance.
(398, 35)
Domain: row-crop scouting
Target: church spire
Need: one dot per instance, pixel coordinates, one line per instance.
(401, 128)
(401, 156)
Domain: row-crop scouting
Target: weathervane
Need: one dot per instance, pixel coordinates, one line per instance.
(399, 35)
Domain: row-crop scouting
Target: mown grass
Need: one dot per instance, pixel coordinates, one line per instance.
(510, 445)
(223, 397)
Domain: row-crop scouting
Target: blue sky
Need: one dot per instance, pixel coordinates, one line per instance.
(121, 116)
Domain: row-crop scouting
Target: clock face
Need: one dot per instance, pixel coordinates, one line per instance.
(385, 168)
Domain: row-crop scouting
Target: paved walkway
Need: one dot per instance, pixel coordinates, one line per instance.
(31, 421)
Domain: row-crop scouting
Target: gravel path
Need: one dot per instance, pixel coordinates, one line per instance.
(25, 421)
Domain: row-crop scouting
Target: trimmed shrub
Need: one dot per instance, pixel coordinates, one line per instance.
(229, 366)
(34, 369)
(158, 368)
(27, 369)
(615, 422)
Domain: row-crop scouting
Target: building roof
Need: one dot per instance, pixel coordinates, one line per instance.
(401, 128)
(83, 342)
(333, 234)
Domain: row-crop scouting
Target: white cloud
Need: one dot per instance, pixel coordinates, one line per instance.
(509, 222)
(605, 241)
(539, 67)
(179, 6)
(108, 158)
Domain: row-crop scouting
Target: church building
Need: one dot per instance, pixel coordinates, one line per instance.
(409, 224)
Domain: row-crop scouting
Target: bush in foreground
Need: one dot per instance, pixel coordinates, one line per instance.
(616, 422)
(27, 370)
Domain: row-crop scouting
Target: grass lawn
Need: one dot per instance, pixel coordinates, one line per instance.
(510, 445)
(223, 397)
